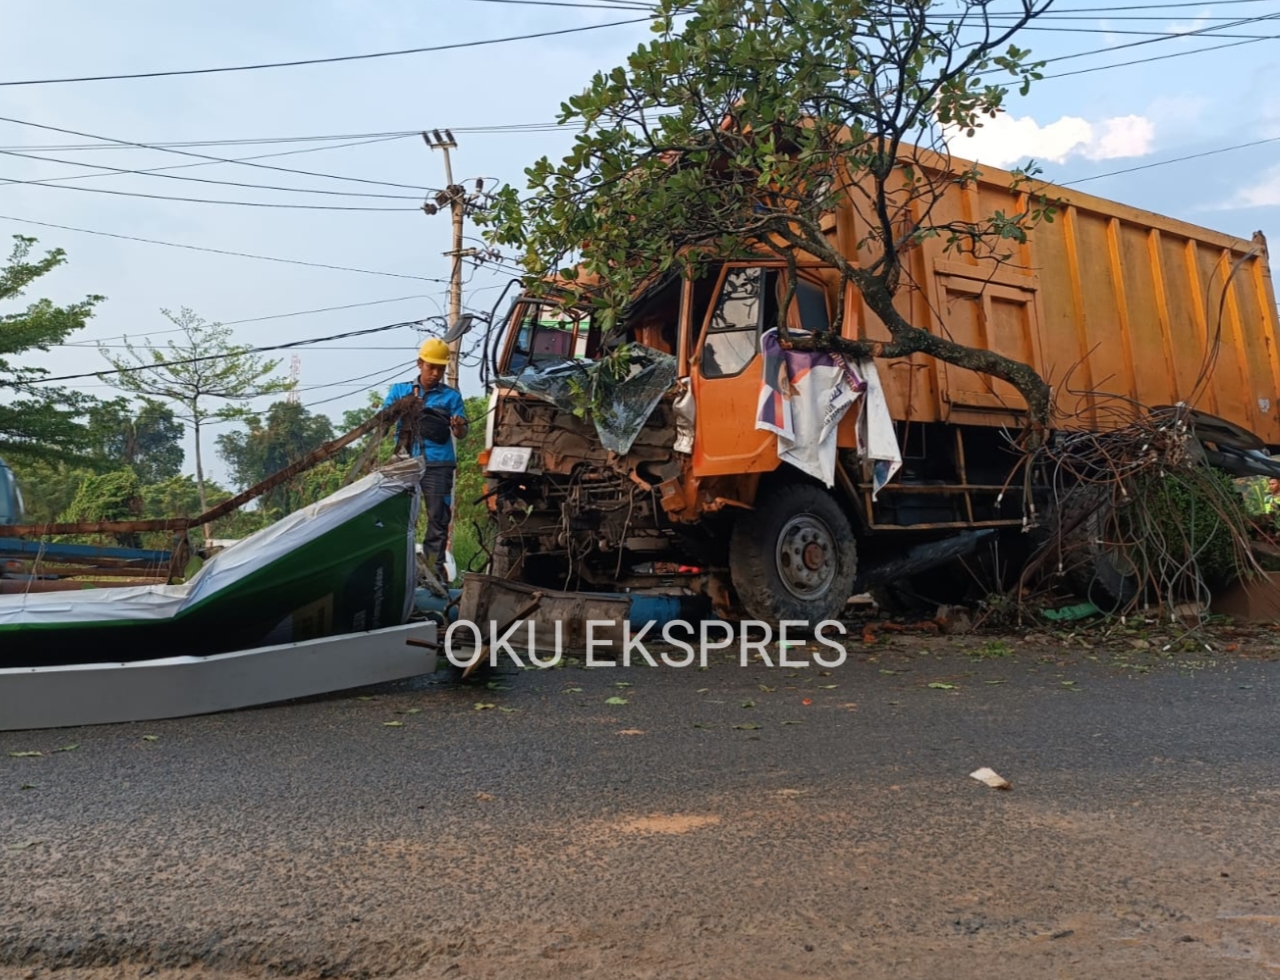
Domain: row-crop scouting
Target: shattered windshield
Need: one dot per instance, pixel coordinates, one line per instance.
(559, 356)
(548, 334)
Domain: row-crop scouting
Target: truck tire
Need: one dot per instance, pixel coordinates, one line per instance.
(794, 556)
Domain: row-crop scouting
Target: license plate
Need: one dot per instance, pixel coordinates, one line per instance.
(509, 459)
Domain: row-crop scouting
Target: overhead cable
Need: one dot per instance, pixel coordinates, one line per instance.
(214, 357)
(205, 156)
(323, 61)
(222, 251)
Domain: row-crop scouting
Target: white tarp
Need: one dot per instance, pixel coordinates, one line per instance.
(226, 568)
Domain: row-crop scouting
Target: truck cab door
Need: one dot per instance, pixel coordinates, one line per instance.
(725, 373)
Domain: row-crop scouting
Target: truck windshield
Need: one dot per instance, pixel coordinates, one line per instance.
(547, 334)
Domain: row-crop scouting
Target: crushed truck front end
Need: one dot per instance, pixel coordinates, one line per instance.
(588, 495)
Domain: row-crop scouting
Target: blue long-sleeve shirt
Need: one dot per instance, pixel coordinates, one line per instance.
(442, 398)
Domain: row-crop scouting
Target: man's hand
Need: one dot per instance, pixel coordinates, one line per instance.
(459, 426)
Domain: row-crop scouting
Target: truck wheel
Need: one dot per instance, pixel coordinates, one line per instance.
(794, 556)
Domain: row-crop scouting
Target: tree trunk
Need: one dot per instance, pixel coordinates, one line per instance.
(204, 504)
(908, 340)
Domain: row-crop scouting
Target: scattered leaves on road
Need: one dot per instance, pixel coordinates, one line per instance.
(827, 687)
(26, 755)
(702, 690)
(484, 797)
(151, 738)
(27, 786)
(393, 724)
(748, 704)
(621, 684)
(572, 690)
(940, 686)
(767, 689)
(68, 748)
(750, 726)
(616, 700)
(630, 731)
(23, 846)
(793, 723)
(700, 724)
(507, 711)
(481, 706)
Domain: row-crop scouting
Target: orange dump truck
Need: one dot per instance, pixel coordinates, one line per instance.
(679, 463)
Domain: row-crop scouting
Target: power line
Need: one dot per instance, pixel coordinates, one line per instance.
(205, 156)
(200, 180)
(97, 341)
(324, 61)
(1160, 57)
(221, 251)
(351, 381)
(1164, 163)
(264, 141)
(201, 200)
(210, 163)
(333, 398)
(1203, 31)
(214, 357)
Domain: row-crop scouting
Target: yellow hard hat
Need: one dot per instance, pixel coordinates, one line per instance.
(434, 351)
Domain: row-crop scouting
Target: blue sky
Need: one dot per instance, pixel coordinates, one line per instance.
(1077, 126)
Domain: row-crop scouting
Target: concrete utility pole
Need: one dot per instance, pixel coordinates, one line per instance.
(455, 197)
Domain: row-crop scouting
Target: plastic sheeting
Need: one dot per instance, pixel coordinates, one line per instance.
(625, 403)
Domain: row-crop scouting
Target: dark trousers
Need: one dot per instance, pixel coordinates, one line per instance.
(437, 496)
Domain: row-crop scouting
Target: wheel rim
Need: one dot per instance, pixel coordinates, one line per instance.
(806, 557)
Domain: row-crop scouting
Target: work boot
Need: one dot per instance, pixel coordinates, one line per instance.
(432, 577)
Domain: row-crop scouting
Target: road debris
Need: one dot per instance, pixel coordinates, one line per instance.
(991, 778)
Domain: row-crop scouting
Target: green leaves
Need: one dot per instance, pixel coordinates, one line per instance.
(758, 117)
(616, 700)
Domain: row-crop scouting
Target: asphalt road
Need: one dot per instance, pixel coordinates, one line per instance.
(733, 822)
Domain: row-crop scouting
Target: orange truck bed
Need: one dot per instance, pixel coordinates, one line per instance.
(1112, 304)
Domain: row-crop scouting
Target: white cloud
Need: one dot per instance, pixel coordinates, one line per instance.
(1123, 136)
(1008, 139)
(1265, 193)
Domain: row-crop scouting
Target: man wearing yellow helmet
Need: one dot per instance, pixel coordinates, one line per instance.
(443, 420)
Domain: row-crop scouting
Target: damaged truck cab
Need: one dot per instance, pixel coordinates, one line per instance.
(623, 467)
(629, 457)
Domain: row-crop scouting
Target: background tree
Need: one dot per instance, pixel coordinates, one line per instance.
(145, 438)
(202, 367)
(288, 433)
(750, 121)
(37, 420)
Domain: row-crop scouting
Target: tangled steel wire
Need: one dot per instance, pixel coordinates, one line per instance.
(1136, 516)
